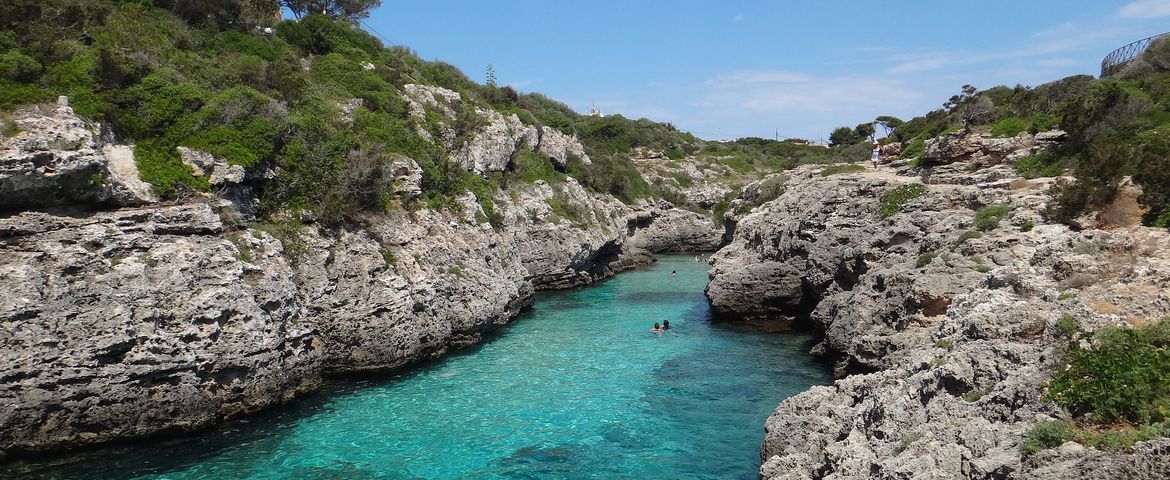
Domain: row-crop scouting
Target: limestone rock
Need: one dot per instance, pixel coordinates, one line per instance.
(216, 170)
(944, 346)
(57, 159)
(560, 147)
(128, 323)
(661, 227)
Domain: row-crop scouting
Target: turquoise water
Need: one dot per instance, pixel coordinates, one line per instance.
(576, 388)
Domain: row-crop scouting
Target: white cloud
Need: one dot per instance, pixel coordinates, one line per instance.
(920, 62)
(1146, 9)
(738, 18)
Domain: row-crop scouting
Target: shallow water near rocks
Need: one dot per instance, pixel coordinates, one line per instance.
(575, 388)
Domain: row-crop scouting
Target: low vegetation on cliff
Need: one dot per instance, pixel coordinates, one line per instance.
(1116, 127)
(1117, 383)
(320, 103)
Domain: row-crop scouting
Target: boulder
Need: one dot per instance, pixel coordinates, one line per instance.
(58, 159)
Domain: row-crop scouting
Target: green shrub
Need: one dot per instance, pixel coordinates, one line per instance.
(969, 235)
(1010, 127)
(1027, 226)
(18, 67)
(988, 217)
(925, 259)
(564, 207)
(944, 344)
(916, 148)
(1049, 434)
(530, 166)
(161, 167)
(1163, 220)
(1123, 376)
(611, 174)
(1040, 165)
(1067, 324)
(236, 41)
(388, 257)
(892, 201)
(286, 229)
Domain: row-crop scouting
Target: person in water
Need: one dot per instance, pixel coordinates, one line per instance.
(672, 273)
(665, 324)
(656, 329)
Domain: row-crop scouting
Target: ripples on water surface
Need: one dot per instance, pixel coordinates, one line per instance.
(576, 388)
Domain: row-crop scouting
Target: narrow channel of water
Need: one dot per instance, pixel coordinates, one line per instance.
(576, 388)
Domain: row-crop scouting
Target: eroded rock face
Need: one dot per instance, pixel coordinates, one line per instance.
(699, 181)
(944, 343)
(125, 323)
(58, 159)
(122, 324)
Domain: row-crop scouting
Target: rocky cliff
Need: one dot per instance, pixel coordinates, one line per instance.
(124, 317)
(942, 329)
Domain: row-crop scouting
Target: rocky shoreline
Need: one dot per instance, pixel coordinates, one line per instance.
(126, 318)
(942, 328)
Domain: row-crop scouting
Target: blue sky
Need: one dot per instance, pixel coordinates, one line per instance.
(751, 68)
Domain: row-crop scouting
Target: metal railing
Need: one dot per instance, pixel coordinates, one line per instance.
(1118, 59)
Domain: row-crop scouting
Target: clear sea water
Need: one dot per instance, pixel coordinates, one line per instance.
(575, 388)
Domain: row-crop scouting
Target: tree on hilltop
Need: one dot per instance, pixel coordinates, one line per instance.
(888, 123)
(844, 136)
(351, 10)
(971, 107)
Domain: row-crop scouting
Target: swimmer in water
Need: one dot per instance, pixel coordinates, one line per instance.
(656, 329)
(666, 325)
(673, 273)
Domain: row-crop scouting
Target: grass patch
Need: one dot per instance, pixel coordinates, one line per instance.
(683, 180)
(1027, 226)
(968, 235)
(944, 344)
(988, 218)
(1054, 433)
(980, 265)
(564, 207)
(243, 249)
(288, 232)
(893, 201)
(906, 442)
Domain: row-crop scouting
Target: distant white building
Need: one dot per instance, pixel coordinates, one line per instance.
(594, 111)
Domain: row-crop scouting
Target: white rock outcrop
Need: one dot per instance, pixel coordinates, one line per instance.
(57, 158)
